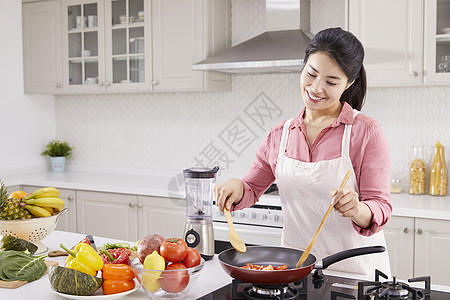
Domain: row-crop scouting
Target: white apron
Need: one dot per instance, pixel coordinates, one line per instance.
(305, 197)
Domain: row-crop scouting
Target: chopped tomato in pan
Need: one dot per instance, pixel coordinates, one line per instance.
(263, 268)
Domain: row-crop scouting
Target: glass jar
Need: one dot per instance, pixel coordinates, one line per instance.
(417, 172)
(396, 186)
(438, 173)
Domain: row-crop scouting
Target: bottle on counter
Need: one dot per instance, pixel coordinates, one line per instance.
(438, 173)
(417, 172)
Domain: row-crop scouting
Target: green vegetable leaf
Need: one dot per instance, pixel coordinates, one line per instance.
(22, 266)
(2, 275)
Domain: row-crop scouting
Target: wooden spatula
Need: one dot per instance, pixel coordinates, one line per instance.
(235, 239)
(316, 235)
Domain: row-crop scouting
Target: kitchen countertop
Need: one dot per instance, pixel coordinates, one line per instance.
(210, 278)
(171, 184)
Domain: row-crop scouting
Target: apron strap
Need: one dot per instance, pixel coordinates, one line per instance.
(346, 137)
(284, 137)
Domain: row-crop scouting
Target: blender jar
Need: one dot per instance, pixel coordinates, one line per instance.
(199, 183)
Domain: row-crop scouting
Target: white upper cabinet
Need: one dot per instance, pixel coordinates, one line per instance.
(391, 32)
(405, 40)
(103, 46)
(437, 42)
(185, 32)
(42, 47)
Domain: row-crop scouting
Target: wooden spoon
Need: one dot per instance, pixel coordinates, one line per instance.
(235, 239)
(316, 235)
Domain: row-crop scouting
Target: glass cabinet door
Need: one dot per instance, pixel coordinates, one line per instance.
(437, 42)
(443, 36)
(127, 41)
(83, 44)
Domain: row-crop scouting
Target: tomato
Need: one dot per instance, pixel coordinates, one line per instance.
(192, 258)
(174, 281)
(173, 250)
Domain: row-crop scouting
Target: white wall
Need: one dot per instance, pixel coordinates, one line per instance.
(27, 122)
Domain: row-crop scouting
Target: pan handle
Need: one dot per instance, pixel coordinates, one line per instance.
(329, 260)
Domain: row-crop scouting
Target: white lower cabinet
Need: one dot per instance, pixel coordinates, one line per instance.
(68, 221)
(432, 245)
(399, 234)
(13, 188)
(164, 216)
(107, 214)
(129, 217)
(419, 247)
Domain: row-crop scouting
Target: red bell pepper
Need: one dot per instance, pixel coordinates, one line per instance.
(116, 256)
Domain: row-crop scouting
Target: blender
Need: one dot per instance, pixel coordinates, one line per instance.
(199, 233)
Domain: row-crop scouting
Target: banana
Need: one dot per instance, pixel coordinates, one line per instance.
(52, 202)
(37, 211)
(43, 193)
(49, 209)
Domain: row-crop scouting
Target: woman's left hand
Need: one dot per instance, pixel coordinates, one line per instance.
(346, 202)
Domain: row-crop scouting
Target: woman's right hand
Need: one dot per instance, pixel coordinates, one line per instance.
(228, 192)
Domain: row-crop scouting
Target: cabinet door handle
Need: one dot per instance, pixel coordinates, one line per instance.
(140, 205)
(107, 83)
(58, 85)
(131, 204)
(100, 83)
(415, 73)
(155, 82)
(406, 230)
(419, 231)
(70, 198)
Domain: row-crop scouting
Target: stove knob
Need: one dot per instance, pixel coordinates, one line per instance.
(264, 217)
(276, 218)
(253, 215)
(233, 213)
(221, 214)
(242, 215)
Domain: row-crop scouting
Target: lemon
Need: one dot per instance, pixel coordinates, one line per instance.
(150, 281)
(154, 261)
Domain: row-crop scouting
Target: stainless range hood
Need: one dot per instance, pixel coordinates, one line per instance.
(280, 49)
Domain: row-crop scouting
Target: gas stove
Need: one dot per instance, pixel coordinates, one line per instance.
(318, 286)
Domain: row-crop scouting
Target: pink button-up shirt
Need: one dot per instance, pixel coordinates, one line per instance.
(369, 152)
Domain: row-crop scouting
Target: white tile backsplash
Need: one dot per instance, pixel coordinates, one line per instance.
(169, 131)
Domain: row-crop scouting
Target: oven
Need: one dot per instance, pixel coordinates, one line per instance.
(260, 224)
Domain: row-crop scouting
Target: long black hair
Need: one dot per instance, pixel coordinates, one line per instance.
(348, 52)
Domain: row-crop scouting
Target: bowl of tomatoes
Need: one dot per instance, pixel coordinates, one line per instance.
(171, 272)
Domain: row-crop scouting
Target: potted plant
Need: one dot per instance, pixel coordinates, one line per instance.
(58, 152)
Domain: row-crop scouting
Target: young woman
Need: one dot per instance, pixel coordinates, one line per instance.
(309, 155)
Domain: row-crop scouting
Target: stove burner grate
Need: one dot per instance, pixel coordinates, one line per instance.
(293, 291)
(270, 292)
(393, 289)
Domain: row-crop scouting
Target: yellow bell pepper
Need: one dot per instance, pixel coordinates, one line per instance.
(84, 259)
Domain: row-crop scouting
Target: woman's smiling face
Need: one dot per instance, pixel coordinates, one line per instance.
(322, 82)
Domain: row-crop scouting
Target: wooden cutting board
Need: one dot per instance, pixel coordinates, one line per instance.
(17, 283)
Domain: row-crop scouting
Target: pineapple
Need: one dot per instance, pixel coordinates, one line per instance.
(11, 208)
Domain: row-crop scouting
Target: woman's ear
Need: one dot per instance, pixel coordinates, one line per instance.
(349, 84)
